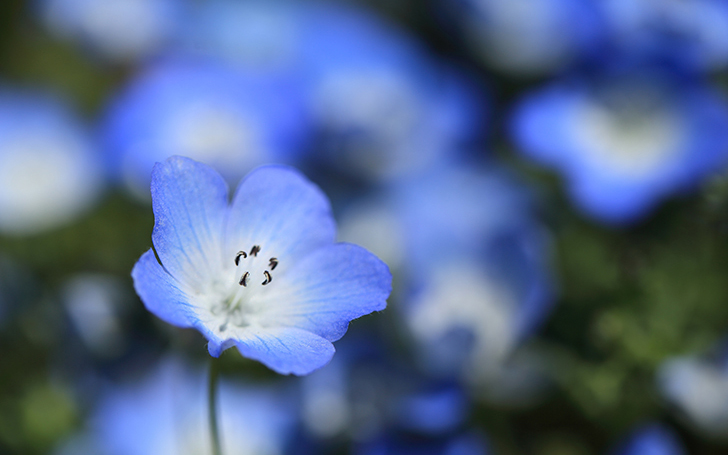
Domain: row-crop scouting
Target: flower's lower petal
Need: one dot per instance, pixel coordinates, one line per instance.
(190, 203)
(281, 211)
(286, 350)
(327, 289)
(160, 292)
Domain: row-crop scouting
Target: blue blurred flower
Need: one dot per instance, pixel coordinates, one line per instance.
(165, 413)
(473, 268)
(263, 273)
(254, 35)
(480, 281)
(464, 444)
(527, 37)
(366, 391)
(693, 33)
(50, 170)
(205, 110)
(652, 439)
(698, 388)
(119, 30)
(382, 107)
(625, 139)
(95, 306)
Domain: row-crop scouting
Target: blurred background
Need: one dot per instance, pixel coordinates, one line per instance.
(546, 179)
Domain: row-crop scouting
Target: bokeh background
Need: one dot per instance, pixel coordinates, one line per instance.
(547, 180)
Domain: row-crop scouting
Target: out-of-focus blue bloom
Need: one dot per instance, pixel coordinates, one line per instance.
(165, 413)
(652, 439)
(231, 119)
(94, 303)
(262, 273)
(119, 30)
(382, 107)
(465, 444)
(625, 140)
(698, 388)
(364, 392)
(526, 36)
(50, 171)
(473, 259)
(255, 35)
(693, 33)
(480, 282)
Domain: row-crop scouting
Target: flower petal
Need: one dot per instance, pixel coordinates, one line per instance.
(160, 292)
(286, 350)
(327, 289)
(190, 203)
(281, 211)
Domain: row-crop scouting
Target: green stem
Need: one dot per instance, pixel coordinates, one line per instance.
(212, 406)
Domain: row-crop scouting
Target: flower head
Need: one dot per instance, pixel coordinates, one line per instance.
(261, 273)
(627, 138)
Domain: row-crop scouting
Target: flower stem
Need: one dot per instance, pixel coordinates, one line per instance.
(212, 406)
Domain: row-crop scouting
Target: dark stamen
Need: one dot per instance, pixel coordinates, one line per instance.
(255, 250)
(240, 254)
(268, 278)
(273, 263)
(244, 279)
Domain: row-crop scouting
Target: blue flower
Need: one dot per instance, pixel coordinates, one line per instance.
(383, 107)
(625, 139)
(651, 439)
(234, 120)
(262, 273)
(526, 37)
(467, 443)
(697, 386)
(119, 30)
(691, 33)
(50, 170)
(473, 267)
(165, 413)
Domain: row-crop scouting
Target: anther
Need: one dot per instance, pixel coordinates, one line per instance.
(244, 279)
(255, 250)
(273, 263)
(241, 254)
(268, 278)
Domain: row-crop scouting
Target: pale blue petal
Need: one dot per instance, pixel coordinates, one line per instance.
(160, 292)
(190, 203)
(277, 208)
(327, 289)
(286, 350)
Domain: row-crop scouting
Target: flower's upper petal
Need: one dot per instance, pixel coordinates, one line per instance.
(279, 209)
(286, 350)
(160, 292)
(190, 203)
(326, 290)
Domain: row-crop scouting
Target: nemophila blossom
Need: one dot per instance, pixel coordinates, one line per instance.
(650, 439)
(697, 387)
(473, 265)
(206, 110)
(118, 30)
(382, 107)
(693, 33)
(50, 168)
(626, 139)
(262, 272)
(526, 37)
(164, 412)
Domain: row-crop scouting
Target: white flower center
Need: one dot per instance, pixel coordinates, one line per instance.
(632, 137)
(253, 271)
